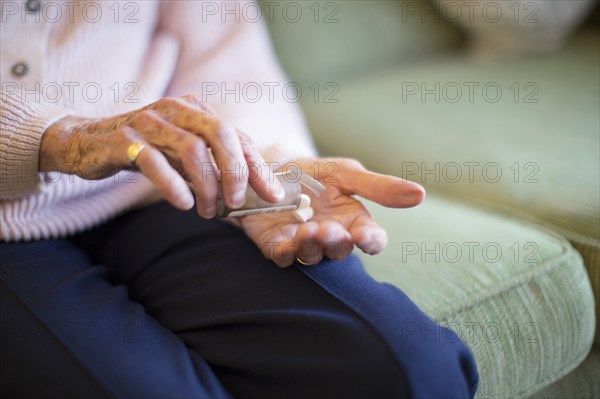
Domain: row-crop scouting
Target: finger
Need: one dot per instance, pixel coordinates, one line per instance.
(153, 164)
(195, 101)
(204, 177)
(162, 134)
(281, 251)
(368, 235)
(220, 136)
(284, 254)
(228, 154)
(184, 148)
(389, 191)
(335, 241)
(260, 176)
(309, 249)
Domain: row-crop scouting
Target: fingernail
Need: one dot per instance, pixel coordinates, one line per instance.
(210, 211)
(186, 200)
(238, 199)
(277, 191)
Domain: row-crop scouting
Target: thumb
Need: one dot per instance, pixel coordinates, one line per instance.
(386, 190)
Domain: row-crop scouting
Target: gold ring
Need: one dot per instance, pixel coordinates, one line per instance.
(133, 151)
(301, 261)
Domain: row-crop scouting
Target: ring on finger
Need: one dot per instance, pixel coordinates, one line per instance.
(134, 150)
(301, 261)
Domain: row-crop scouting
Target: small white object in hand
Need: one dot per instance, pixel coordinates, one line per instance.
(304, 211)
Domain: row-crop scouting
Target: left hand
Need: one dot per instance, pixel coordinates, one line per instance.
(340, 221)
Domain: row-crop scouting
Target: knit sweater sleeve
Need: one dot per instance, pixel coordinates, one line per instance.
(227, 61)
(22, 125)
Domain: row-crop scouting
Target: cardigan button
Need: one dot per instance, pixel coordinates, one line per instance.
(33, 5)
(20, 69)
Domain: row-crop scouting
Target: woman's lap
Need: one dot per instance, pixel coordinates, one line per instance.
(204, 314)
(68, 332)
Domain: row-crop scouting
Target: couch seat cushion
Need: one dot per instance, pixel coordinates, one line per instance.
(519, 296)
(532, 151)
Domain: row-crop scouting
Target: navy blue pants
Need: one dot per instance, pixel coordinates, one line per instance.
(160, 303)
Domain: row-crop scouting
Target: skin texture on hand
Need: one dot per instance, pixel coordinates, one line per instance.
(185, 141)
(340, 221)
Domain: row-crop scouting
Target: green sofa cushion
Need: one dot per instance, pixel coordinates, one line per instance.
(535, 156)
(521, 298)
(328, 40)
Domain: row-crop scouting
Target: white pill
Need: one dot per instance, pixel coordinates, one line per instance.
(304, 201)
(303, 215)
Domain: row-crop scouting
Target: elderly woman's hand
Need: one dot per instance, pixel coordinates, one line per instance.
(179, 135)
(340, 221)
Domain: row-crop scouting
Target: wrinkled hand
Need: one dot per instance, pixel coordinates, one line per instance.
(185, 141)
(340, 221)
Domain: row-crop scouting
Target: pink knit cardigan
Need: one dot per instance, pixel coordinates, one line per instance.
(102, 58)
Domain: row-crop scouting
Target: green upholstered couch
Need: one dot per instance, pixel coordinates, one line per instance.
(505, 248)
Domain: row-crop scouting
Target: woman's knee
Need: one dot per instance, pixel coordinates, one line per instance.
(402, 346)
(437, 364)
(353, 360)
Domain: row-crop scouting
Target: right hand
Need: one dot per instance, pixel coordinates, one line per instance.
(180, 135)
